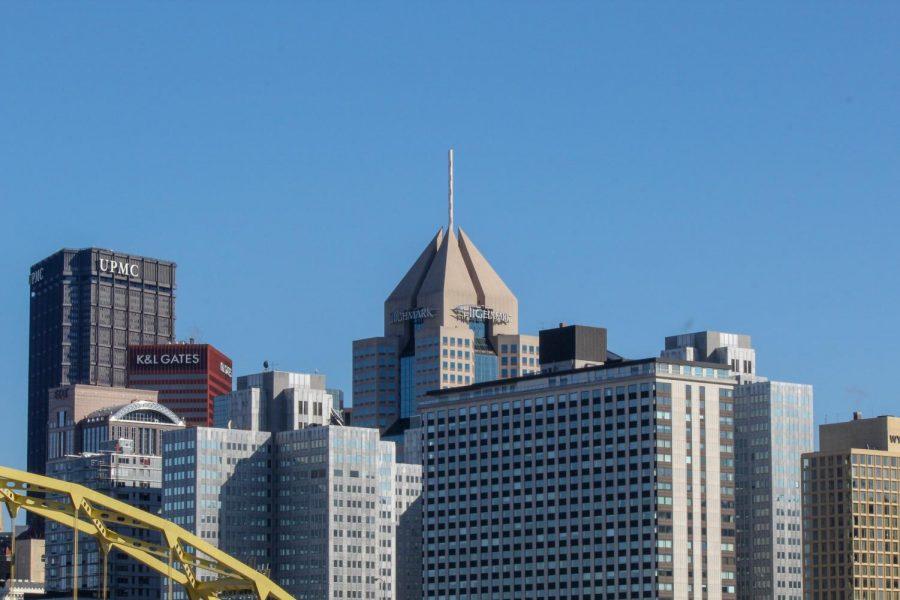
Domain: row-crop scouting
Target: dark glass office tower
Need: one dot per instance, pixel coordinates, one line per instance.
(87, 306)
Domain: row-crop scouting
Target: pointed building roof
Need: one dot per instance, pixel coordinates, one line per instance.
(408, 288)
(449, 273)
(492, 291)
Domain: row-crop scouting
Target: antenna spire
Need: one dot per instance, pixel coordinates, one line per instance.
(450, 197)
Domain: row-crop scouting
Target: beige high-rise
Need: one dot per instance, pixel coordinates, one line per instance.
(442, 325)
(851, 508)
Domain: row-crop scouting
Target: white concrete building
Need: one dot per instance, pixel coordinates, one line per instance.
(611, 482)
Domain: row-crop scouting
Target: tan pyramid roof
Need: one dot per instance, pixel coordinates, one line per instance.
(491, 289)
(409, 285)
(450, 272)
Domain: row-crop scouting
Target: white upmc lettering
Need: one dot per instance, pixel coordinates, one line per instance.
(117, 267)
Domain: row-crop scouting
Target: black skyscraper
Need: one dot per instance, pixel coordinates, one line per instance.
(87, 306)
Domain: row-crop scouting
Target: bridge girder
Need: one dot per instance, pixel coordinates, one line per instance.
(94, 514)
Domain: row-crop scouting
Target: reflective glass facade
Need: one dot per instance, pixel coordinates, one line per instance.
(485, 367)
(773, 427)
(407, 386)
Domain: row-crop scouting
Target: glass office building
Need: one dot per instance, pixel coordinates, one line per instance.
(327, 511)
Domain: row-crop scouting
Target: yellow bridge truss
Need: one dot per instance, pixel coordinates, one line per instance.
(180, 558)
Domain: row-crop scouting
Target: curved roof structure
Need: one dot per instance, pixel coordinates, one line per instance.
(138, 411)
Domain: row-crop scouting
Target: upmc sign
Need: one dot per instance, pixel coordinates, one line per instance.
(119, 267)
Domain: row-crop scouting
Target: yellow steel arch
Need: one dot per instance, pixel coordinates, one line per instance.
(94, 514)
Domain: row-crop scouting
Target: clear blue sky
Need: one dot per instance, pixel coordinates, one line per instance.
(644, 167)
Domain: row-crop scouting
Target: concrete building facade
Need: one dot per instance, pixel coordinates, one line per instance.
(732, 349)
(326, 511)
(119, 456)
(773, 428)
(276, 401)
(70, 406)
(86, 307)
(851, 503)
(611, 481)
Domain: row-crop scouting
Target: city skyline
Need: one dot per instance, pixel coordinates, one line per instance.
(612, 210)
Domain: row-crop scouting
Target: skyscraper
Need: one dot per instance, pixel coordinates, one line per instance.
(86, 307)
(611, 481)
(442, 324)
(773, 422)
(188, 377)
(327, 511)
(851, 502)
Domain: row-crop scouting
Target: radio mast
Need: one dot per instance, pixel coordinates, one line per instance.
(450, 198)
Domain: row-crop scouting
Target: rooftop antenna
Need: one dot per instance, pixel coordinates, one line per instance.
(450, 208)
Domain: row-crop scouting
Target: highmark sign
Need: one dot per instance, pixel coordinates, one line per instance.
(414, 314)
(469, 312)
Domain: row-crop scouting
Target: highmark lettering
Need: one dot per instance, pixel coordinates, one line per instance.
(225, 369)
(469, 312)
(415, 314)
(167, 359)
(117, 267)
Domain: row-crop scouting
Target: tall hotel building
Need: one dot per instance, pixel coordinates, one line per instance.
(86, 307)
(188, 377)
(451, 321)
(851, 511)
(610, 481)
(773, 423)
